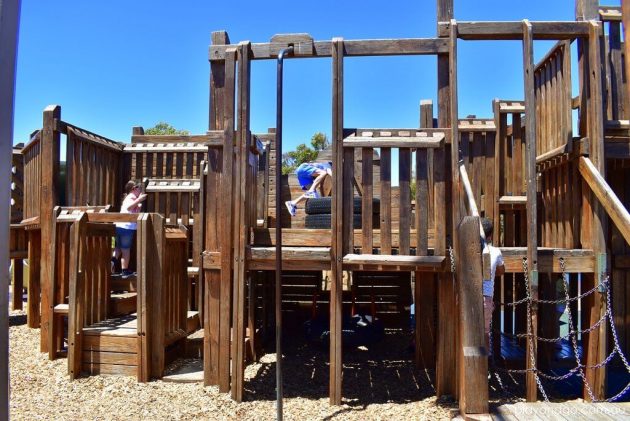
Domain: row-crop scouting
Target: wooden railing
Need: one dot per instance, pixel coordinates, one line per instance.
(552, 81)
(92, 169)
(616, 98)
(17, 186)
(32, 176)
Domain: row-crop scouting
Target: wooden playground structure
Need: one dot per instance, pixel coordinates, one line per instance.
(205, 250)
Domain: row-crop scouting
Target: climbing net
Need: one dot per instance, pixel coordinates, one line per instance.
(579, 369)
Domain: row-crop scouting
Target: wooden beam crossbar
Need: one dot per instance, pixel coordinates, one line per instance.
(351, 48)
(478, 31)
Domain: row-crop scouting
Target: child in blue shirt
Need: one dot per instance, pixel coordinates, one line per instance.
(310, 176)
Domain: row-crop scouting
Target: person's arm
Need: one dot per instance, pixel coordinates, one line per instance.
(500, 266)
(136, 202)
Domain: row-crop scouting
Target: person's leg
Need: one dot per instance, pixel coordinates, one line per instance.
(321, 175)
(126, 240)
(488, 307)
(124, 260)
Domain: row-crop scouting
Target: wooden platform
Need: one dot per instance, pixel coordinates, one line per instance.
(574, 410)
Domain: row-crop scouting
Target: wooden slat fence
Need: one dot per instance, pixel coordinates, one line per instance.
(32, 176)
(92, 169)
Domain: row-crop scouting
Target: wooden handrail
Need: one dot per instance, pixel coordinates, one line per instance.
(472, 205)
(606, 196)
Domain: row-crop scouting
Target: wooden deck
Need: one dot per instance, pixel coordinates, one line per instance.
(575, 410)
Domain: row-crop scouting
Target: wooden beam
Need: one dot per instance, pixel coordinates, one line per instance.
(625, 8)
(352, 48)
(473, 392)
(531, 210)
(336, 363)
(607, 197)
(10, 19)
(445, 358)
(48, 199)
(436, 141)
(513, 30)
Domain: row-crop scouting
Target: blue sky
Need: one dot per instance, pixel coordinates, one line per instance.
(116, 64)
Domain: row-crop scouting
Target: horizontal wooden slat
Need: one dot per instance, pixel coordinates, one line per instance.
(435, 141)
(210, 137)
(467, 30)
(476, 125)
(110, 343)
(105, 357)
(610, 13)
(576, 260)
(169, 147)
(513, 200)
(124, 370)
(373, 47)
(511, 106)
(394, 262)
(61, 309)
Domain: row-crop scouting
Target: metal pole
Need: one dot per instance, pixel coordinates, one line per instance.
(279, 204)
(9, 25)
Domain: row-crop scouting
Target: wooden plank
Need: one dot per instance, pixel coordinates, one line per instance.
(375, 47)
(366, 200)
(386, 201)
(530, 171)
(226, 218)
(514, 31)
(404, 209)
(34, 286)
(473, 395)
(106, 357)
(48, 199)
(336, 365)
(76, 299)
(116, 369)
(241, 229)
(435, 141)
(445, 366)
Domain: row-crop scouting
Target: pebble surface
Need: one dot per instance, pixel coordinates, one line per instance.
(376, 387)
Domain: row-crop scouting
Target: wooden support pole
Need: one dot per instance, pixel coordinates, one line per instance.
(597, 340)
(226, 222)
(445, 355)
(532, 223)
(212, 279)
(625, 14)
(336, 363)
(18, 283)
(48, 200)
(9, 24)
(473, 369)
(425, 283)
(241, 228)
(33, 300)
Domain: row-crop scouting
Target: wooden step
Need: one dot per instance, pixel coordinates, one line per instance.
(119, 283)
(393, 262)
(189, 372)
(512, 201)
(192, 322)
(122, 303)
(61, 309)
(194, 344)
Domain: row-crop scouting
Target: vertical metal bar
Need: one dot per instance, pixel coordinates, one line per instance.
(9, 24)
(279, 203)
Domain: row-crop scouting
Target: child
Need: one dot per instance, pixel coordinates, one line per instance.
(310, 176)
(497, 268)
(125, 230)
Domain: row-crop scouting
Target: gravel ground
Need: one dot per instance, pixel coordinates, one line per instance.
(379, 384)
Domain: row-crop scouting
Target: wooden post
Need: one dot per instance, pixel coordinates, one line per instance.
(48, 200)
(212, 279)
(225, 222)
(532, 235)
(9, 23)
(445, 363)
(240, 227)
(625, 13)
(597, 340)
(76, 297)
(424, 286)
(33, 300)
(337, 249)
(473, 394)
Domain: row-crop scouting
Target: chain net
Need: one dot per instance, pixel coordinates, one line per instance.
(573, 332)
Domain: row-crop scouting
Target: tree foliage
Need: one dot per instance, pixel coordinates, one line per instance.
(163, 128)
(304, 153)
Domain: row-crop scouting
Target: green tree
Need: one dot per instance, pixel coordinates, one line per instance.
(304, 153)
(163, 128)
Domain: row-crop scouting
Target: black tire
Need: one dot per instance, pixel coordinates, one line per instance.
(323, 220)
(323, 205)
